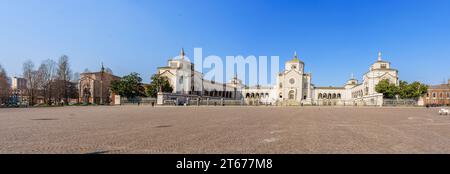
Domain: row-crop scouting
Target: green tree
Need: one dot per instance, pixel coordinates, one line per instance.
(403, 90)
(413, 90)
(389, 90)
(159, 84)
(129, 86)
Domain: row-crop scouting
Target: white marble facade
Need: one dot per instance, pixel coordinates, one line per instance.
(293, 86)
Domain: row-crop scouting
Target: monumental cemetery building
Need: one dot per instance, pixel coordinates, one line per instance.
(293, 86)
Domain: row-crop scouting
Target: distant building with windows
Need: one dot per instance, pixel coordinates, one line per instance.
(18, 83)
(438, 95)
(293, 86)
(19, 89)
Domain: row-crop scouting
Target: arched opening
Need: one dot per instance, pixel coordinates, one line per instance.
(339, 95)
(320, 96)
(291, 95)
(247, 95)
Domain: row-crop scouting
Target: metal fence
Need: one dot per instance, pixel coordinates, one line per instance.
(138, 101)
(400, 102)
(215, 102)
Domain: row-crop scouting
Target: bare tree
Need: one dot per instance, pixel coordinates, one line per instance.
(46, 76)
(4, 85)
(30, 75)
(64, 76)
(75, 77)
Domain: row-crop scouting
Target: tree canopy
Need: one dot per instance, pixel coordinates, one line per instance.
(403, 90)
(129, 86)
(158, 84)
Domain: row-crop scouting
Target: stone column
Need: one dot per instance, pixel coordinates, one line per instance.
(160, 98)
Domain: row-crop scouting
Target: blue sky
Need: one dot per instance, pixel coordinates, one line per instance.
(333, 37)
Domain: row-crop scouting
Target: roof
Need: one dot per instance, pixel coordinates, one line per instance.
(329, 87)
(295, 59)
(441, 86)
(98, 73)
(382, 61)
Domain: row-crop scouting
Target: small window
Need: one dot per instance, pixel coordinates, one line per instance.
(434, 95)
(383, 66)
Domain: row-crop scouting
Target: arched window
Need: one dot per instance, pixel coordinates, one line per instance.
(434, 95)
(181, 80)
(334, 96)
(291, 95)
(320, 95)
(247, 95)
(339, 95)
(281, 95)
(267, 94)
(329, 96)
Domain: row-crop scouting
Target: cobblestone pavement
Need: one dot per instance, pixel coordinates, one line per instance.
(133, 129)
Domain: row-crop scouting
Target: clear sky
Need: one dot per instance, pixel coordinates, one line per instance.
(333, 37)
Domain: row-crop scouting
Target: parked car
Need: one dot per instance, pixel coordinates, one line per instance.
(444, 111)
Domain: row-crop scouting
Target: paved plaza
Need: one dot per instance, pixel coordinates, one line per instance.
(143, 129)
